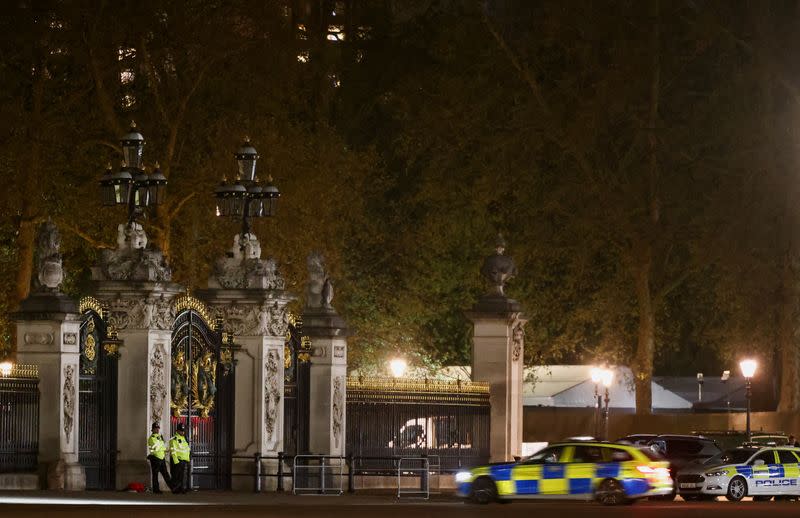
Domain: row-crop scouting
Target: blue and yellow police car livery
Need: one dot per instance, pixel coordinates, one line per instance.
(762, 473)
(610, 473)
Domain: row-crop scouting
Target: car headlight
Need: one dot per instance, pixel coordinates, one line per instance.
(716, 473)
(463, 476)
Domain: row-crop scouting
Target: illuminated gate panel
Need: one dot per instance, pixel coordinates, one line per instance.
(203, 381)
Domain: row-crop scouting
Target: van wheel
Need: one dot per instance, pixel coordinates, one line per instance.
(610, 492)
(484, 491)
(737, 489)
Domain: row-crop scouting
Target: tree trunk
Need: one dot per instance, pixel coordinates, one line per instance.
(643, 262)
(645, 344)
(25, 247)
(790, 388)
(26, 235)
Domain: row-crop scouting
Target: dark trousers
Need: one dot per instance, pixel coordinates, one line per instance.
(180, 476)
(159, 466)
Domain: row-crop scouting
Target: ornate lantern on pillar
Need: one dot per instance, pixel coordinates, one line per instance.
(245, 197)
(130, 185)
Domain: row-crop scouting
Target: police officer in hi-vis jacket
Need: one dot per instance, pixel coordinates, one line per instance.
(155, 454)
(179, 452)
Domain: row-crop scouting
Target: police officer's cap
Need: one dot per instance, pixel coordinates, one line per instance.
(179, 428)
(155, 425)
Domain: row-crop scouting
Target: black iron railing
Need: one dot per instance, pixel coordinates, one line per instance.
(19, 419)
(388, 419)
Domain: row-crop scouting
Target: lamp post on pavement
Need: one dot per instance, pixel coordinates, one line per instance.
(700, 387)
(726, 375)
(607, 379)
(596, 374)
(748, 371)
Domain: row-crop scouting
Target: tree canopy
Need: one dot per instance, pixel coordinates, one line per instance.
(639, 157)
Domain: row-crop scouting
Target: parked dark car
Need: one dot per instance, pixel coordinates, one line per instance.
(637, 439)
(728, 439)
(683, 450)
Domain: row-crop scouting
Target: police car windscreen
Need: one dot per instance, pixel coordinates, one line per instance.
(735, 456)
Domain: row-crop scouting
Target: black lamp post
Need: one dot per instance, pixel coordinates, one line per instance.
(130, 185)
(748, 371)
(604, 376)
(246, 197)
(607, 379)
(597, 376)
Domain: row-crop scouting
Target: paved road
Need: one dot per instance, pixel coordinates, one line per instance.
(238, 505)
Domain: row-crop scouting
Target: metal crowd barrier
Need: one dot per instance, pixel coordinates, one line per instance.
(416, 467)
(318, 475)
(279, 473)
(435, 473)
(324, 474)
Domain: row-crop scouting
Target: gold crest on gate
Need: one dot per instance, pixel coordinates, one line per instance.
(89, 350)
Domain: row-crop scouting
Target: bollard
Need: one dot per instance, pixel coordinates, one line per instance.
(423, 479)
(351, 474)
(279, 487)
(257, 458)
(322, 474)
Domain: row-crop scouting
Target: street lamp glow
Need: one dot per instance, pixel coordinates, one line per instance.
(607, 377)
(597, 374)
(5, 368)
(398, 367)
(748, 368)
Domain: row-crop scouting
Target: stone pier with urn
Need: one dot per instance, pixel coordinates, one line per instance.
(249, 294)
(135, 284)
(47, 326)
(328, 333)
(498, 353)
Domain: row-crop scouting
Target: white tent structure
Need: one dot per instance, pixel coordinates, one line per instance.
(571, 386)
(568, 386)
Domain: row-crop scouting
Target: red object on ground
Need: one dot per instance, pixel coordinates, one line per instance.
(135, 486)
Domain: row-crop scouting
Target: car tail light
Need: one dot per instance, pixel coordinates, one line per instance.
(653, 472)
(662, 472)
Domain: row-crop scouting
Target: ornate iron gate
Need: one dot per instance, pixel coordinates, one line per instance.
(203, 381)
(97, 400)
(297, 369)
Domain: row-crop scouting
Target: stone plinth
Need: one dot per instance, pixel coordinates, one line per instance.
(142, 314)
(497, 358)
(258, 318)
(48, 331)
(327, 419)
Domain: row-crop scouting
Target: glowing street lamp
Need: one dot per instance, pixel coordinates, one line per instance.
(748, 371)
(6, 368)
(607, 377)
(398, 367)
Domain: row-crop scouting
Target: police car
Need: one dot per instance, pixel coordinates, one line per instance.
(609, 473)
(762, 473)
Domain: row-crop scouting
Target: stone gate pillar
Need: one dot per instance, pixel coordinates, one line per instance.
(328, 386)
(48, 326)
(497, 356)
(134, 282)
(249, 294)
